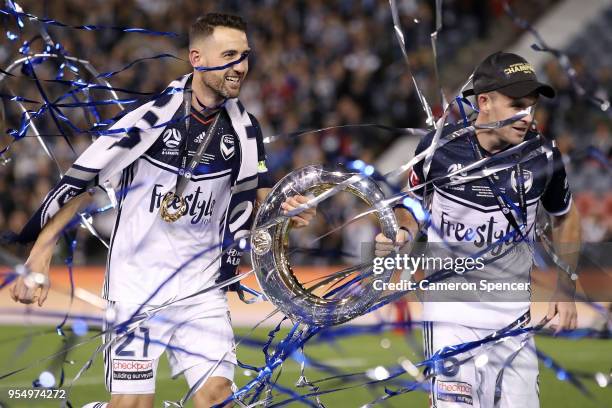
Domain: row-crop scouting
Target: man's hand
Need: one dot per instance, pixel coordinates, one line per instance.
(384, 246)
(26, 288)
(568, 317)
(303, 218)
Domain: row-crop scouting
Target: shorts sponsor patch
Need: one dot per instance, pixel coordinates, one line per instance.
(132, 369)
(454, 391)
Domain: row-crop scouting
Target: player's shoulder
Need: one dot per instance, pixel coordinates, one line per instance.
(255, 128)
(447, 131)
(547, 143)
(254, 120)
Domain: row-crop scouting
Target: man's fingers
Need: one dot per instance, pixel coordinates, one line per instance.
(552, 311)
(309, 213)
(289, 205)
(22, 292)
(301, 199)
(567, 318)
(572, 316)
(383, 251)
(400, 238)
(25, 294)
(564, 319)
(306, 215)
(293, 202)
(28, 294)
(303, 218)
(573, 324)
(299, 221)
(387, 246)
(573, 319)
(44, 291)
(384, 246)
(14, 290)
(380, 239)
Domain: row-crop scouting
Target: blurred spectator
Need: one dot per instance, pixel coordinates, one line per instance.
(314, 64)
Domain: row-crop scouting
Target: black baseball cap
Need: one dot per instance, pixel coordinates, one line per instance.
(508, 74)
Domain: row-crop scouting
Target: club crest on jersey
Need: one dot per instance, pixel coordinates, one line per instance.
(227, 146)
(172, 140)
(527, 180)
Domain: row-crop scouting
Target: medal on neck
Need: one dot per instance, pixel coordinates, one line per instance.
(173, 207)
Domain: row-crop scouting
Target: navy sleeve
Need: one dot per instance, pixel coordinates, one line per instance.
(265, 180)
(557, 197)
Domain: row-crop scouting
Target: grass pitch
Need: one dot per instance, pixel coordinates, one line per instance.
(350, 355)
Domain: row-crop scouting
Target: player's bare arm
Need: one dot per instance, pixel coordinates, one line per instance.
(42, 252)
(566, 239)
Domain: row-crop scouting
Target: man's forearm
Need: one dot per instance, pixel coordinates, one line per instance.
(566, 236)
(407, 221)
(50, 233)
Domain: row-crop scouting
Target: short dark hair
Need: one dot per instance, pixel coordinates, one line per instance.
(205, 25)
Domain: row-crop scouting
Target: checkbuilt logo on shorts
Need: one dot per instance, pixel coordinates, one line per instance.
(454, 391)
(132, 369)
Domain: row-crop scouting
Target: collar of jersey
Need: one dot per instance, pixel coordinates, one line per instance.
(205, 120)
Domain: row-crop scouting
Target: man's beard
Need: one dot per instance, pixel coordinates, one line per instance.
(216, 84)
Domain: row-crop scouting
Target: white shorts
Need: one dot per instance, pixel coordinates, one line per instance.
(475, 383)
(195, 338)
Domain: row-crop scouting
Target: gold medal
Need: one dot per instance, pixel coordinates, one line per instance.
(168, 200)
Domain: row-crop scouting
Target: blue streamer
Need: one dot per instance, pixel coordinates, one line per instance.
(131, 64)
(562, 58)
(32, 71)
(11, 11)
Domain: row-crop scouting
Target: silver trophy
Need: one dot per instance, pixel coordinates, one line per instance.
(269, 249)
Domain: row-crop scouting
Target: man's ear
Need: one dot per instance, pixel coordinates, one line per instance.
(484, 102)
(195, 57)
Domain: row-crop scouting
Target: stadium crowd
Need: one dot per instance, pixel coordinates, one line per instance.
(314, 64)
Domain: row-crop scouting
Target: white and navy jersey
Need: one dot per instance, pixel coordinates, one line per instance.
(142, 152)
(469, 217)
(145, 251)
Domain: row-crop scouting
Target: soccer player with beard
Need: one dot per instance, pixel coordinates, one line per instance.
(147, 248)
(493, 217)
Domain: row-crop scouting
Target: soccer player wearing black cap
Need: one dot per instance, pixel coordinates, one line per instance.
(505, 84)
(492, 216)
